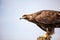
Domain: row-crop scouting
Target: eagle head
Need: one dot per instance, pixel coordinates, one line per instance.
(28, 17)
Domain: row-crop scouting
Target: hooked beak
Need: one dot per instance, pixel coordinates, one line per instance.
(22, 18)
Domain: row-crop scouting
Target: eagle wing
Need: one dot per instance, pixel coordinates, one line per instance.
(48, 17)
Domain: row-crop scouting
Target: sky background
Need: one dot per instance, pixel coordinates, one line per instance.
(12, 28)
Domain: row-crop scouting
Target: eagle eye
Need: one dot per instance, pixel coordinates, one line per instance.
(24, 15)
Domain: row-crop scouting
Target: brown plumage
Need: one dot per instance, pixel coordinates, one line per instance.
(47, 20)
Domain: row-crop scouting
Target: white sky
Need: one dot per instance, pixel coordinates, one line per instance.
(14, 29)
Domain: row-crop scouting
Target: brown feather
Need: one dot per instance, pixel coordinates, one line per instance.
(45, 19)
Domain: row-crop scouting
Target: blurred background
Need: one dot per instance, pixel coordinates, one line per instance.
(12, 28)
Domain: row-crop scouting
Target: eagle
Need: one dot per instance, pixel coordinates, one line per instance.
(47, 20)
